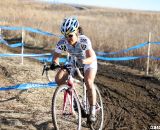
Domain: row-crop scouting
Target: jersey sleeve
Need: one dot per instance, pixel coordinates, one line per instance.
(60, 47)
(85, 43)
(89, 45)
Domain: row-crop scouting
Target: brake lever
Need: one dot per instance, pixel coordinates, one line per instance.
(44, 69)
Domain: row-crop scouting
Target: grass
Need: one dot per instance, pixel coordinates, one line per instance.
(109, 29)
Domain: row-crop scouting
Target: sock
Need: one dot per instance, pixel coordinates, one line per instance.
(93, 110)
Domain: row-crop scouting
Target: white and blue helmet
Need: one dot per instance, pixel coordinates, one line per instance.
(69, 25)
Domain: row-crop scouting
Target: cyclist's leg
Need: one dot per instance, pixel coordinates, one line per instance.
(61, 77)
(89, 77)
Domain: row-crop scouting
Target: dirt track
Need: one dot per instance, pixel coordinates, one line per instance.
(132, 101)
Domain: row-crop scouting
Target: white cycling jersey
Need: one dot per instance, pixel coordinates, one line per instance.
(79, 50)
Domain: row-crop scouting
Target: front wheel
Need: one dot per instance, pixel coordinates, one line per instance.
(66, 112)
(50, 75)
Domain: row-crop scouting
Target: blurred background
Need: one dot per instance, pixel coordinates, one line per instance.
(111, 25)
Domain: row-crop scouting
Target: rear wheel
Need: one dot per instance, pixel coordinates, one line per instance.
(98, 124)
(65, 114)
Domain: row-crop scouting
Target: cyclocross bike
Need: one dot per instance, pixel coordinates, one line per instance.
(70, 106)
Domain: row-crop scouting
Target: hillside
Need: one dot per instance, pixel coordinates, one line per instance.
(114, 29)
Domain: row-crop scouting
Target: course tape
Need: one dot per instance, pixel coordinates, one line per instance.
(29, 85)
(125, 58)
(44, 59)
(120, 58)
(16, 45)
(47, 57)
(10, 45)
(24, 55)
(29, 29)
(155, 43)
(155, 58)
(123, 51)
(2, 40)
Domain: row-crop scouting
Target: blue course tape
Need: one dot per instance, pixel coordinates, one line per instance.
(10, 45)
(15, 45)
(3, 41)
(11, 28)
(119, 58)
(42, 58)
(30, 30)
(155, 43)
(155, 58)
(29, 85)
(49, 59)
(39, 57)
(40, 32)
(24, 55)
(123, 51)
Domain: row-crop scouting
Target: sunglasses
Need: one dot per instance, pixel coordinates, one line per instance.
(69, 36)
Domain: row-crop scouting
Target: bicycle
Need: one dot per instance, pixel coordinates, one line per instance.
(70, 109)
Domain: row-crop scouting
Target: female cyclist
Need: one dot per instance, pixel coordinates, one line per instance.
(78, 45)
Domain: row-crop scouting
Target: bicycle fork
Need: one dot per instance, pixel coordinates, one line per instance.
(68, 97)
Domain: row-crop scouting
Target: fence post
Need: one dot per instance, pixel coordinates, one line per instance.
(0, 32)
(1, 37)
(22, 50)
(148, 55)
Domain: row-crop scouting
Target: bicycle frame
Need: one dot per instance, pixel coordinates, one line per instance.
(68, 95)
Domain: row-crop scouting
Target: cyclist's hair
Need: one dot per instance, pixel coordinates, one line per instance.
(80, 30)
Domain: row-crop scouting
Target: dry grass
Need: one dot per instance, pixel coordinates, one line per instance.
(109, 29)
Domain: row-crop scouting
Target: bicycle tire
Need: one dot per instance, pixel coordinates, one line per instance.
(98, 124)
(65, 120)
(50, 75)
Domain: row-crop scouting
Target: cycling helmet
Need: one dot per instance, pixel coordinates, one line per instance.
(69, 25)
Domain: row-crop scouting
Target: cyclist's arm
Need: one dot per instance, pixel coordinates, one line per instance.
(60, 46)
(90, 54)
(90, 57)
(56, 57)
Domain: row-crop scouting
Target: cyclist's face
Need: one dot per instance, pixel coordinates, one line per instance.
(72, 38)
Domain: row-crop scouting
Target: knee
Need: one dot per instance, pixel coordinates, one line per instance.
(60, 78)
(57, 80)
